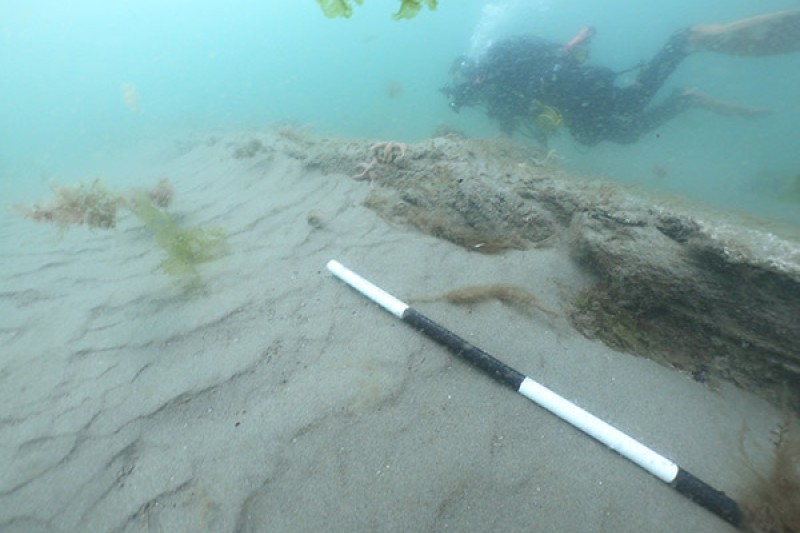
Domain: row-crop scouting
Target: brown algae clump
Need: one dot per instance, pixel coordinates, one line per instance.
(513, 296)
(161, 195)
(91, 204)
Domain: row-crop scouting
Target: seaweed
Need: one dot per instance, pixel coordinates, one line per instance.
(90, 204)
(337, 8)
(410, 8)
(185, 247)
(597, 314)
(772, 504)
(97, 207)
(513, 296)
(344, 8)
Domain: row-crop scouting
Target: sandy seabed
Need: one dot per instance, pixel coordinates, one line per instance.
(278, 399)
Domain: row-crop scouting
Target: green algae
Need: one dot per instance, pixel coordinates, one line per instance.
(344, 8)
(185, 248)
(410, 8)
(337, 8)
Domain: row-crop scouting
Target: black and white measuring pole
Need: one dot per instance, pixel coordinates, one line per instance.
(661, 467)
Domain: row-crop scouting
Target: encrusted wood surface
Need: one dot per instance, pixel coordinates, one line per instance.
(680, 284)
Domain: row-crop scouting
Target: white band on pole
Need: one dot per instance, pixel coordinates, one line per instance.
(373, 292)
(653, 462)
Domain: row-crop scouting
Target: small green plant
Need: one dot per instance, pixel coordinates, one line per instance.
(96, 206)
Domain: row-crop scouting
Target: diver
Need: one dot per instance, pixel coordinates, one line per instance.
(532, 85)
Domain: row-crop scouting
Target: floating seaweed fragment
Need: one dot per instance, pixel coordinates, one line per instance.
(130, 97)
(344, 8)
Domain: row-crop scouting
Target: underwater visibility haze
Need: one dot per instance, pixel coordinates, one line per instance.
(175, 175)
(82, 79)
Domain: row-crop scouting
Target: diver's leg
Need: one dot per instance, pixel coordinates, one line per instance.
(633, 98)
(770, 34)
(628, 129)
(723, 107)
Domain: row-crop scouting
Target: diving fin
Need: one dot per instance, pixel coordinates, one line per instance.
(762, 35)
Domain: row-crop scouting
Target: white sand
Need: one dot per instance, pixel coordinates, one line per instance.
(281, 400)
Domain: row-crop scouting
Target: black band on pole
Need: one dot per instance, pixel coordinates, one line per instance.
(496, 369)
(712, 499)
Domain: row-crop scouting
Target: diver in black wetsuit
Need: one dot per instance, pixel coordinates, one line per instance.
(530, 84)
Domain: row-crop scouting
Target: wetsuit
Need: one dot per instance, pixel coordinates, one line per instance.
(521, 73)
